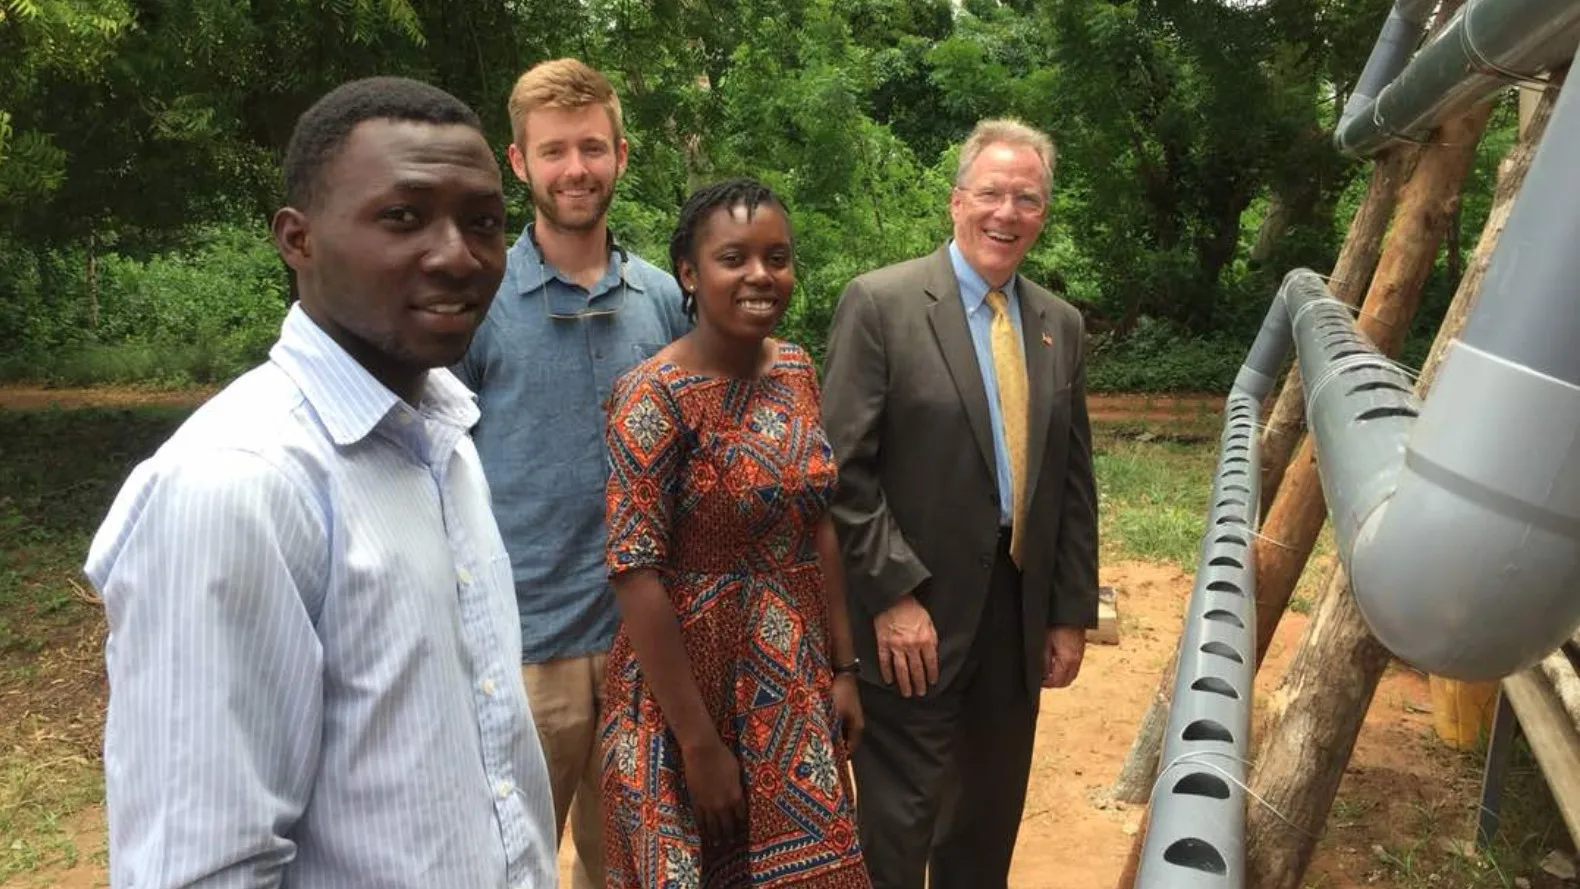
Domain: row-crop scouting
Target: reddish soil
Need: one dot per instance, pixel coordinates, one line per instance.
(23, 398)
(1103, 407)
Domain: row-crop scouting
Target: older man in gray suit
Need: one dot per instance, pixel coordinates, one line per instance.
(954, 396)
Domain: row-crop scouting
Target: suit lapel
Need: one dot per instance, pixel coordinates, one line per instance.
(948, 319)
(1039, 380)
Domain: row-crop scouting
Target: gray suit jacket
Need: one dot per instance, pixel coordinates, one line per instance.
(917, 509)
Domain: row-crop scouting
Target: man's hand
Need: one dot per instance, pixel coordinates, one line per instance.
(1066, 647)
(908, 646)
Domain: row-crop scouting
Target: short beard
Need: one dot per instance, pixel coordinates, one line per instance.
(544, 205)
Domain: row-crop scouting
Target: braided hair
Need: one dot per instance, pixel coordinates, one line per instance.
(737, 192)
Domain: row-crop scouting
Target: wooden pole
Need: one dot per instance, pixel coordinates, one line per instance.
(1319, 706)
(1426, 209)
(1351, 275)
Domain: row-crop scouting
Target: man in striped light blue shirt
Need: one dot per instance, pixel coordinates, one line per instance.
(313, 641)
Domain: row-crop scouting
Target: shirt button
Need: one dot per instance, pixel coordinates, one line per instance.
(488, 687)
(405, 418)
(503, 788)
(985, 560)
(465, 576)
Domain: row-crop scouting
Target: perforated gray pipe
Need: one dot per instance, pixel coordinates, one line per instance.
(1487, 45)
(1196, 833)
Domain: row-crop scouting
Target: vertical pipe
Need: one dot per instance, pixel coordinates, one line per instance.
(1196, 825)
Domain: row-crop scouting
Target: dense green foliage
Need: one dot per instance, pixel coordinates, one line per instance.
(140, 142)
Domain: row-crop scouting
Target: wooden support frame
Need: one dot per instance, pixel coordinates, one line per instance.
(1527, 704)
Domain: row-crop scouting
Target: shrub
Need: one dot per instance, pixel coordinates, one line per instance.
(202, 314)
(1159, 356)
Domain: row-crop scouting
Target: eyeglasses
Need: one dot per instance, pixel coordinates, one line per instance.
(1027, 203)
(578, 313)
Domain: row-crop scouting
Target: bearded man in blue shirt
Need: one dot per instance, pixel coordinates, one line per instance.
(575, 311)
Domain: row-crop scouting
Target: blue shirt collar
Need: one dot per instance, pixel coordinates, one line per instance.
(349, 401)
(530, 275)
(973, 287)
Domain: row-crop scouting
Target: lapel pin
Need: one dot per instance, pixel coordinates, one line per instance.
(1046, 339)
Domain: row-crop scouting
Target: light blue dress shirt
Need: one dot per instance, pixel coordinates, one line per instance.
(313, 650)
(543, 385)
(979, 316)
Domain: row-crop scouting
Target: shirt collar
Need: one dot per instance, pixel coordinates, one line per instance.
(973, 287)
(531, 269)
(349, 401)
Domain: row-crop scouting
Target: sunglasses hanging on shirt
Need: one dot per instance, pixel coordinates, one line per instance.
(578, 312)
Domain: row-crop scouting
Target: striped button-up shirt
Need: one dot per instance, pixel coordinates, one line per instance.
(313, 651)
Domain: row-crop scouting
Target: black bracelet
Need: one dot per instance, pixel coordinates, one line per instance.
(851, 668)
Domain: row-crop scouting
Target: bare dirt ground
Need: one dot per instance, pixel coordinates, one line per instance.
(24, 398)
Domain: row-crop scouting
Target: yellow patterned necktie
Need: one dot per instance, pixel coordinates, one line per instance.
(1009, 368)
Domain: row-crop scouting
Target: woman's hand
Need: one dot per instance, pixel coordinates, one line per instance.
(713, 778)
(847, 710)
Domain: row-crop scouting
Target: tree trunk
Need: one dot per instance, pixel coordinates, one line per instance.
(1426, 209)
(1351, 275)
(1274, 224)
(92, 294)
(1317, 710)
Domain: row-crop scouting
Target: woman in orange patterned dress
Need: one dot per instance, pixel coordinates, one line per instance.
(730, 698)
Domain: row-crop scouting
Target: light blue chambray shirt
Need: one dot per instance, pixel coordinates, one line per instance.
(543, 386)
(979, 315)
(313, 646)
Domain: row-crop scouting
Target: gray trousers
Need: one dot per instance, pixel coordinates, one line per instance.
(941, 780)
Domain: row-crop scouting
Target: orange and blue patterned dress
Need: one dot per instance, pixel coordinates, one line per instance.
(718, 484)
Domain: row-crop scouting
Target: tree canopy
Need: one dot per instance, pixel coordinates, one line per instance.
(1185, 128)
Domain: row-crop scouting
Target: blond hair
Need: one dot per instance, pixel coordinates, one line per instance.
(562, 84)
(1006, 131)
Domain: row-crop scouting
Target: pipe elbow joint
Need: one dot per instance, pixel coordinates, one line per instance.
(1471, 568)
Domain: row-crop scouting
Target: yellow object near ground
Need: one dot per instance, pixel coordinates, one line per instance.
(1462, 711)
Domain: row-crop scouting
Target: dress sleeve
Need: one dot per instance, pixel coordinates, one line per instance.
(647, 442)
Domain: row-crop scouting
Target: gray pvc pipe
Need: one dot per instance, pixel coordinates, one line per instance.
(1359, 405)
(1535, 270)
(1196, 832)
(1472, 568)
(1484, 47)
(1459, 520)
(1401, 31)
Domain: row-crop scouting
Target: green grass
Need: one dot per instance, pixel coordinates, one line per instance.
(1152, 494)
(203, 360)
(58, 472)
